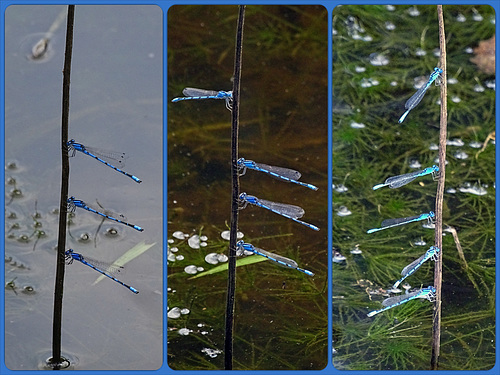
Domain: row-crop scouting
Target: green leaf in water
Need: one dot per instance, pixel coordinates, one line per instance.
(128, 256)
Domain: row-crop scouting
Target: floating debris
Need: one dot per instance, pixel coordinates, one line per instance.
(485, 56)
(212, 353)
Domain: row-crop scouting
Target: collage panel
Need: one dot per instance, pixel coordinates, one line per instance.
(357, 209)
(111, 284)
(281, 313)
(413, 201)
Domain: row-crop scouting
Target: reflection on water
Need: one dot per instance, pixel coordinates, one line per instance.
(380, 53)
(116, 100)
(281, 315)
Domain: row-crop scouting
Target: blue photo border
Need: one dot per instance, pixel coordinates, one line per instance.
(165, 5)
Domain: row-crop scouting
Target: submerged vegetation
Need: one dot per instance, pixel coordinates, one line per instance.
(378, 51)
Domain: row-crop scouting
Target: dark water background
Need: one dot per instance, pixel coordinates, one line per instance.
(281, 314)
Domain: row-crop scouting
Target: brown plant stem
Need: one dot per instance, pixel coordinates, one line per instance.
(231, 281)
(438, 270)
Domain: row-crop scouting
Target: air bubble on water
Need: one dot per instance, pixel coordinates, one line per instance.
(174, 249)
(413, 11)
(212, 353)
(178, 234)
(343, 211)
(194, 241)
(356, 250)
(415, 164)
(184, 331)
(179, 257)
(357, 125)
(377, 59)
(364, 83)
(190, 269)
(337, 257)
(203, 238)
(174, 313)
(461, 155)
(112, 232)
(171, 257)
(340, 188)
(185, 311)
(490, 84)
(479, 88)
(436, 161)
(476, 189)
(476, 16)
(390, 26)
(420, 242)
(475, 144)
(226, 235)
(420, 52)
(455, 142)
(84, 237)
(23, 238)
(212, 258)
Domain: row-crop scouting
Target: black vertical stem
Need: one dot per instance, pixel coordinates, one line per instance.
(438, 270)
(56, 359)
(231, 282)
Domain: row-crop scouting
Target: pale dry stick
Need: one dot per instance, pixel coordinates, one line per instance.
(438, 270)
(454, 233)
(490, 136)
